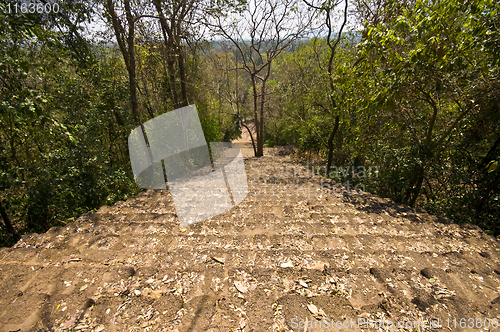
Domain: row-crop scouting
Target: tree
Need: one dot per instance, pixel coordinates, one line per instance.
(62, 129)
(174, 17)
(125, 36)
(424, 78)
(259, 34)
(327, 8)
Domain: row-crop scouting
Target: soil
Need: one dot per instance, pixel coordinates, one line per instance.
(297, 252)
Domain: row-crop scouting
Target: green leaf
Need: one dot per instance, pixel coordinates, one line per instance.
(492, 166)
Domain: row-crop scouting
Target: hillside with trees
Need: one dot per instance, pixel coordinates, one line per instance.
(409, 87)
(370, 131)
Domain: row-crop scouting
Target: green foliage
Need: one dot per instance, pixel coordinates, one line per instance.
(63, 128)
(211, 128)
(431, 74)
(231, 129)
(416, 95)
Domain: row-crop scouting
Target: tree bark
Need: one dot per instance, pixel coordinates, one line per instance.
(182, 74)
(333, 50)
(7, 222)
(259, 152)
(418, 187)
(251, 136)
(127, 50)
(131, 51)
(260, 143)
(330, 144)
(168, 39)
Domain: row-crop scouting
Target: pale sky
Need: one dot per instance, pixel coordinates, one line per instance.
(98, 30)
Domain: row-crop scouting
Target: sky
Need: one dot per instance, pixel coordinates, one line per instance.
(98, 30)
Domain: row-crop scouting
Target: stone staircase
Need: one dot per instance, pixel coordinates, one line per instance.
(282, 260)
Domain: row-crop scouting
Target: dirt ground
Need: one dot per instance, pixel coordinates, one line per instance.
(295, 255)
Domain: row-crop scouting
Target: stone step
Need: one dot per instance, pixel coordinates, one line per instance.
(359, 289)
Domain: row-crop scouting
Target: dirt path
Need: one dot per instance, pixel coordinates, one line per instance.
(291, 252)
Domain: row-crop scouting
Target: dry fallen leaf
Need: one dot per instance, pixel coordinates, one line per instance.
(286, 283)
(156, 294)
(81, 327)
(312, 308)
(221, 260)
(316, 265)
(148, 315)
(287, 264)
(317, 313)
(69, 323)
(83, 288)
(303, 283)
(240, 287)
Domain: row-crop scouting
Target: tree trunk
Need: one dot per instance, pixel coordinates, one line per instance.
(6, 221)
(416, 193)
(251, 136)
(330, 144)
(486, 196)
(131, 52)
(260, 126)
(260, 143)
(182, 74)
(173, 83)
(128, 51)
(169, 45)
(259, 152)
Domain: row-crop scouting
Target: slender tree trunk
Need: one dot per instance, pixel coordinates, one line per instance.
(173, 83)
(425, 152)
(147, 102)
(118, 117)
(182, 74)
(333, 51)
(259, 152)
(415, 185)
(260, 127)
(133, 95)
(127, 50)
(169, 45)
(330, 144)
(493, 184)
(6, 221)
(132, 71)
(260, 143)
(418, 187)
(251, 136)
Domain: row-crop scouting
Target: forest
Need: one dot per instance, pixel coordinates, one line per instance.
(410, 87)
